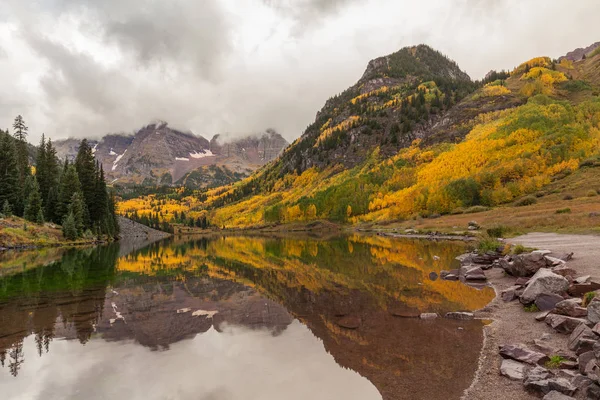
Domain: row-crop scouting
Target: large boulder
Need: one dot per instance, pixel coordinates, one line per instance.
(544, 281)
(536, 380)
(523, 264)
(580, 336)
(547, 301)
(520, 352)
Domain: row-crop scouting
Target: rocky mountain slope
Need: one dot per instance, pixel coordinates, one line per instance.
(580, 53)
(159, 154)
(416, 137)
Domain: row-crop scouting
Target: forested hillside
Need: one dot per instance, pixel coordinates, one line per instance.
(416, 137)
(73, 195)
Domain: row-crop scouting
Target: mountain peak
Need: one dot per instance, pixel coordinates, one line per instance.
(419, 61)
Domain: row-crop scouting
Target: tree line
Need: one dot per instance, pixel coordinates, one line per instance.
(73, 195)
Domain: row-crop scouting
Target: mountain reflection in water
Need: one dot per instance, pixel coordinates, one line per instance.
(237, 318)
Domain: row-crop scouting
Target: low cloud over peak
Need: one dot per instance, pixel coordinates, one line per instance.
(84, 68)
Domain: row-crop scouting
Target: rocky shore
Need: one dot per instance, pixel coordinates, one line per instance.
(544, 341)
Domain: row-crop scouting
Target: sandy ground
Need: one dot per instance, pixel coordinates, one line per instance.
(511, 324)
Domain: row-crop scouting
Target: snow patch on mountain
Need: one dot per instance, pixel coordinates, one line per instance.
(206, 153)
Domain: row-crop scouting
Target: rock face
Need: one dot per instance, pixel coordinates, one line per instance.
(520, 352)
(577, 54)
(544, 281)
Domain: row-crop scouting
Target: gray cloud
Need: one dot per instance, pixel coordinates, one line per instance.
(88, 67)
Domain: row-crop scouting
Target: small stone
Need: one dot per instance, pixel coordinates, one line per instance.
(564, 271)
(581, 381)
(522, 281)
(579, 290)
(593, 391)
(428, 316)
(541, 316)
(571, 308)
(582, 279)
(459, 315)
(509, 294)
(581, 332)
(594, 310)
(584, 359)
(554, 395)
(433, 276)
(513, 370)
(563, 324)
(561, 385)
(568, 365)
(520, 352)
(547, 301)
(536, 380)
(472, 273)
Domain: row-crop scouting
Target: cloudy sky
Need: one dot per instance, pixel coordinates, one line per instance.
(87, 67)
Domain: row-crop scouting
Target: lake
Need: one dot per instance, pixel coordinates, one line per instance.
(237, 317)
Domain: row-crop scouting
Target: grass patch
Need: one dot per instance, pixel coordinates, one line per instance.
(588, 297)
(497, 231)
(476, 209)
(519, 249)
(563, 211)
(555, 362)
(531, 308)
(526, 201)
(575, 86)
(488, 244)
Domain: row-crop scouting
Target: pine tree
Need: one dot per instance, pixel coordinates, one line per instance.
(9, 186)
(69, 185)
(69, 228)
(20, 129)
(76, 208)
(51, 206)
(33, 207)
(100, 198)
(87, 173)
(41, 171)
(6, 209)
(20, 134)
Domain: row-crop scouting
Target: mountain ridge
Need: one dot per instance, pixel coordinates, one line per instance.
(156, 154)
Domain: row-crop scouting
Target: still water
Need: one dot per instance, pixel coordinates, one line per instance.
(232, 318)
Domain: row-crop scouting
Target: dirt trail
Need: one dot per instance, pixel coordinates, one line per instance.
(513, 325)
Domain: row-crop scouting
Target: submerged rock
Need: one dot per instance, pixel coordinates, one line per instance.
(459, 315)
(349, 322)
(428, 316)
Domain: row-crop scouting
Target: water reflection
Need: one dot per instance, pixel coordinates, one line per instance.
(242, 301)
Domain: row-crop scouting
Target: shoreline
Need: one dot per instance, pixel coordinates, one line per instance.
(511, 324)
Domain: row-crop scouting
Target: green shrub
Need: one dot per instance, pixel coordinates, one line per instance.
(526, 201)
(575, 86)
(488, 244)
(563, 211)
(496, 231)
(519, 249)
(540, 194)
(592, 193)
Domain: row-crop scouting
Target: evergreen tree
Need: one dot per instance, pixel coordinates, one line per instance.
(9, 186)
(76, 209)
(51, 206)
(101, 198)
(6, 209)
(41, 169)
(20, 134)
(69, 228)
(69, 185)
(87, 173)
(33, 208)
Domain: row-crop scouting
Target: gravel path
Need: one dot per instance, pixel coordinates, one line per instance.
(511, 324)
